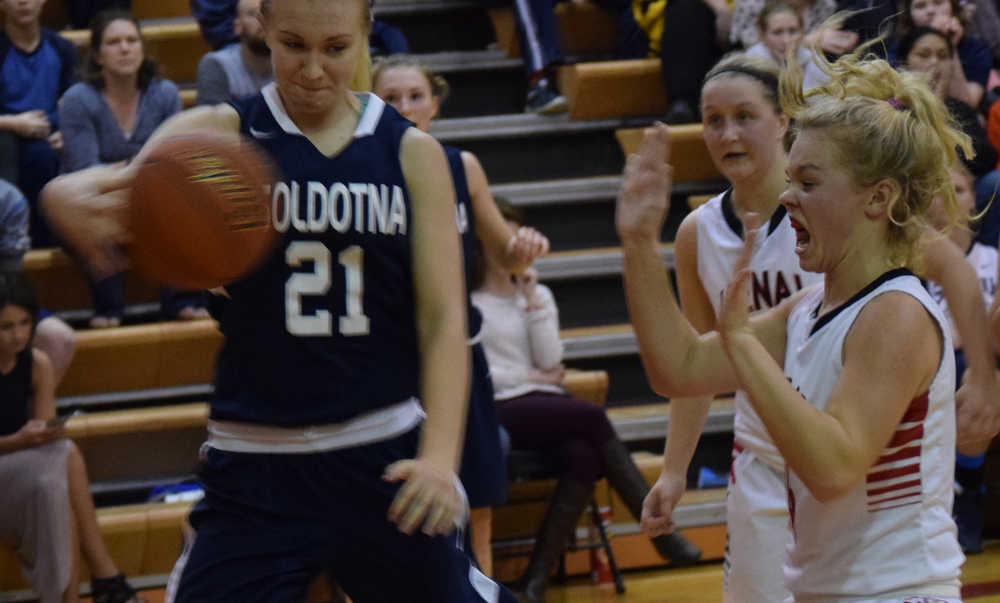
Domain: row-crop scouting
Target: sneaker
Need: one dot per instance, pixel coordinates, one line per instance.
(968, 512)
(544, 99)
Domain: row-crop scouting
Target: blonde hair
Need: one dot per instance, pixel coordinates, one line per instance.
(362, 80)
(438, 85)
(883, 124)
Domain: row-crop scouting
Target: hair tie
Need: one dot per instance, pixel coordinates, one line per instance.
(898, 106)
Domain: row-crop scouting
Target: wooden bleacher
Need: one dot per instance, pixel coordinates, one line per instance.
(607, 89)
(688, 153)
(584, 29)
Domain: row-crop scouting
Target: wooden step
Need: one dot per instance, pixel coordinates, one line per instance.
(613, 89)
(688, 154)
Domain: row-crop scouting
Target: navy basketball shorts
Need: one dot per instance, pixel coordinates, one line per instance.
(271, 523)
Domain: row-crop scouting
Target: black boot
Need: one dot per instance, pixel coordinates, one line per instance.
(568, 502)
(629, 483)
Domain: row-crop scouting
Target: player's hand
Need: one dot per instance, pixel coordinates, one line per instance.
(977, 413)
(431, 499)
(35, 433)
(735, 314)
(644, 199)
(524, 247)
(658, 507)
(32, 124)
(88, 210)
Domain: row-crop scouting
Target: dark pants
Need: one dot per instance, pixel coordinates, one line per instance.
(109, 298)
(30, 163)
(536, 24)
(571, 431)
(688, 49)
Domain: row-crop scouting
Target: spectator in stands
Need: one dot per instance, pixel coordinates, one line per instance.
(237, 70)
(521, 338)
(36, 67)
(536, 28)
(216, 21)
(971, 55)
(780, 28)
(417, 93)
(47, 503)
(52, 335)
(106, 119)
(834, 41)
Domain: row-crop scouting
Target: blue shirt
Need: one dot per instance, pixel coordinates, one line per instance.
(31, 80)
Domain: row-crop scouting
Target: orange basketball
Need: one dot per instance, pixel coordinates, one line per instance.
(199, 212)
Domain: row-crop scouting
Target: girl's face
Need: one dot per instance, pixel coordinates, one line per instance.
(15, 329)
(783, 32)
(315, 47)
(824, 203)
(923, 12)
(121, 52)
(742, 130)
(409, 92)
(928, 53)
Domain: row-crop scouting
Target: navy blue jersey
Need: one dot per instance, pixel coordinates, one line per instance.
(325, 329)
(466, 218)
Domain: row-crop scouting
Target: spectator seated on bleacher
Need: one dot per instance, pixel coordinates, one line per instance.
(106, 119)
(52, 335)
(36, 67)
(780, 28)
(46, 490)
(972, 57)
(240, 69)
(521, 338)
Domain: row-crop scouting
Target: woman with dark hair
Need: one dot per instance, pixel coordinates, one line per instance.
(106, 118)
(973, 55)
(47, 503)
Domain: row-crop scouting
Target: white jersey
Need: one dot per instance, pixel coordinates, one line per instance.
(776, 275)
(983, 259)
(893, 533)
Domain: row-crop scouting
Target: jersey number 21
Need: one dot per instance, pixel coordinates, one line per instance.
(317, 282)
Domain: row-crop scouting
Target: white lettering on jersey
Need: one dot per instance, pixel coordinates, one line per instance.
(375, 208)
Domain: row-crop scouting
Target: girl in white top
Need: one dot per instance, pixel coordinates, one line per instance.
(853, 379)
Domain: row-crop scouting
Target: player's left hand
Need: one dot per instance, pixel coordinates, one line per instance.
(432, 499)
(977, 413)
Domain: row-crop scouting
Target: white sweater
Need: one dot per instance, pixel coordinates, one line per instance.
(516, 340)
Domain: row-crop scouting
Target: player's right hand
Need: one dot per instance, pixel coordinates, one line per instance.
(431, 499)
(658, 507)
(35, 433)
(88, 210)
(644, 199)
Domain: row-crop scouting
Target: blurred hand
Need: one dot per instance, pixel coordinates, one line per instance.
(951, 26)
(644, 199)
(735, 314)
(552, 376)
(56, 141)
(32, 124)
(838, 41)
(431, 499)
(658, 507)
(88, 209)
(527, 282)
(977, 413)
(35, 433)
(526, 246)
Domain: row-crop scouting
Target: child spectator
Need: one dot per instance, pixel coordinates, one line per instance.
(240, 69)
(972, 55)
(745, 31)
(52, 336)
(46, 491)
(780, 27)
(521, 340)
(106, 119)
(36, 67)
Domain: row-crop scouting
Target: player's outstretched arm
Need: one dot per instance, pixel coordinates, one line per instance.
(678, 361)
(978, 400)
(687, 415)
(432, 498)
(517, 250)
(87, 207)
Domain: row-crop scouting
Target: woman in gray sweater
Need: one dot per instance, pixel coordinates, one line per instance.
(106, 118)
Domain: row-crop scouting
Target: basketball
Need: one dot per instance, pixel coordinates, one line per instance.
(199, 212)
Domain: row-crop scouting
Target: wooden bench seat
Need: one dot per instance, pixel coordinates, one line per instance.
(583, 29)
(688, 153)
(609, 89)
